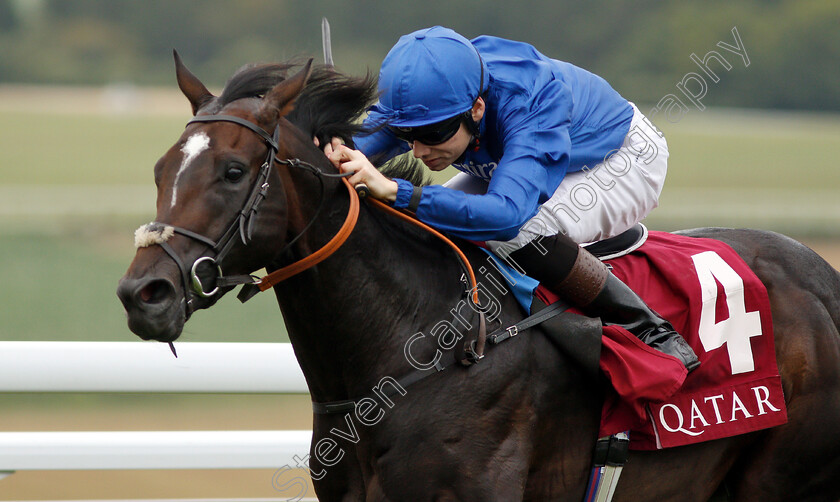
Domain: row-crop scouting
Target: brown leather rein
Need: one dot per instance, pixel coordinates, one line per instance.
(281, 274)
(344, 232)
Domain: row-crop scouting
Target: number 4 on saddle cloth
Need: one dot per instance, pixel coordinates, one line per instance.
(722, 309)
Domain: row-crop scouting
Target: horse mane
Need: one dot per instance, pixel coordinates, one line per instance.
(331, 105)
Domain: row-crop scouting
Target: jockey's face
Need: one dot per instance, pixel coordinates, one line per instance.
(439, 157)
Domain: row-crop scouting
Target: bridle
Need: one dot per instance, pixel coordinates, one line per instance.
(243, 226)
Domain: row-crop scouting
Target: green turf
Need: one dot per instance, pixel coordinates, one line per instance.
(60, 288)
(83, 149)
(767, 150)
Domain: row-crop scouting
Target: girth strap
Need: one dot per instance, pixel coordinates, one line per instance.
(502, 334)
(448, 359)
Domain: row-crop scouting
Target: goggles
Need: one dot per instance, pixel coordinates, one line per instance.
(432, 134)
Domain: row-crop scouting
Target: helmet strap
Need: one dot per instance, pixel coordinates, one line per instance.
(475, 135)
(472, 125)
(475, 142)
(473, 128)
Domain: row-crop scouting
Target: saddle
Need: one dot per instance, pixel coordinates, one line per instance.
(619, 245)
(576, 335)
(710, 295)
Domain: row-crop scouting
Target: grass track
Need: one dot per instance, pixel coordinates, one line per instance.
(60, 149)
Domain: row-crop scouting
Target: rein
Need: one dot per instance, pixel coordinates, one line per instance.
(279, 275)
(462, 258)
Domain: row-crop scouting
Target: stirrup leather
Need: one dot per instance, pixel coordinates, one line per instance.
(611, 454)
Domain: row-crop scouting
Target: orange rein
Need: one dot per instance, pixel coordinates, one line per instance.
(322, 254)
(344, 232)
(414, 221)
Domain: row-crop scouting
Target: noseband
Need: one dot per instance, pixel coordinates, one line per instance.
(243, 225)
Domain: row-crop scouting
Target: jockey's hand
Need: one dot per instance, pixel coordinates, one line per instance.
(330, 147)
(348, 160)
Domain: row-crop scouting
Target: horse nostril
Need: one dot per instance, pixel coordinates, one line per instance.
(145, 293)
(156, 291)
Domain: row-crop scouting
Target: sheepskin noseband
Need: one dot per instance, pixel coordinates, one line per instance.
(152, 233)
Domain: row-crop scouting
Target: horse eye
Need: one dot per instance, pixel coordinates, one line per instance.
(234, 174)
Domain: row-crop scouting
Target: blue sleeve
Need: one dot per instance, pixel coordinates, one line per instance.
(536, 143)
(404, 191)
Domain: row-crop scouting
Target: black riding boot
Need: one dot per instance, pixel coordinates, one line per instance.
(581, 279)
(618, 304)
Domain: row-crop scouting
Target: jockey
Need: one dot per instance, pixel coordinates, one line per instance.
(550, 157)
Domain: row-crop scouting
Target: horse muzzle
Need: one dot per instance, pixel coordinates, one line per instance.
(153, 308)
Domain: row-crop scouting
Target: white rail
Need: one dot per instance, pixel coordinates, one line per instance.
(23, 451)
(150, 367)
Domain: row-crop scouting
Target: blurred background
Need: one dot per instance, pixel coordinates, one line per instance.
(88, 102)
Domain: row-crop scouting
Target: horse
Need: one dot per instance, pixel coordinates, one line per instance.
(519, 425)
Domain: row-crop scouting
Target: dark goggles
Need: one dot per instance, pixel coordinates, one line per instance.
(432, 134)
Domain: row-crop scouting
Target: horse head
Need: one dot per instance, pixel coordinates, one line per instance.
(224, 209)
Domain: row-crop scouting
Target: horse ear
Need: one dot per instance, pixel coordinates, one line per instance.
(190, 85)
(281, 99)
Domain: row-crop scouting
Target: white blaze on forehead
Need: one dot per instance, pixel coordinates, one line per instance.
(195, 144)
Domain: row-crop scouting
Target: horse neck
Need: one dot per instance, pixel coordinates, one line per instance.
(349, 317)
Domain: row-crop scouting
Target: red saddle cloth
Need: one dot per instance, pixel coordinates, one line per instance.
(722, 309)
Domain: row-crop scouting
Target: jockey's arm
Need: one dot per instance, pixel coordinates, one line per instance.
(514, 194)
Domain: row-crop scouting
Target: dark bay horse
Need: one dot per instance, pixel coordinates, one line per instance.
(519, 425)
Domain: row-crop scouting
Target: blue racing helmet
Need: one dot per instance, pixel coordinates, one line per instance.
(429, 76)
